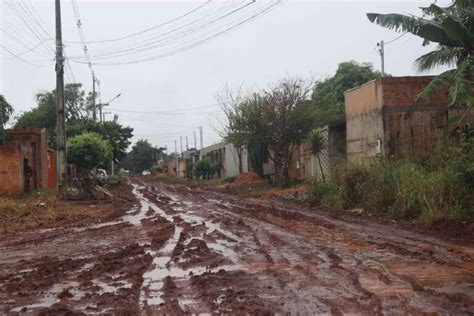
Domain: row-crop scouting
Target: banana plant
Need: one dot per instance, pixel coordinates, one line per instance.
(452, 28)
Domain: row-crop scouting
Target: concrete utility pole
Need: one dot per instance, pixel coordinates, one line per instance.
(195, 145)
(61, 162)
(176, 153)
(181, 143)
(200, 135)
(94, 108)
(187, 147)
(382, 56)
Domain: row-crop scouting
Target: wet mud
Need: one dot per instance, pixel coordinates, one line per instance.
(184, 250)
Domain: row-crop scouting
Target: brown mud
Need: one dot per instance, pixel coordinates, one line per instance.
(183, 250)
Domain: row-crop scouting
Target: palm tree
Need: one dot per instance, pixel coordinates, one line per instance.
(317, 146)
(6, 111)
(452, 28)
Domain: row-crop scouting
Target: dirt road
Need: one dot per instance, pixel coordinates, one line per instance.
(183, 250)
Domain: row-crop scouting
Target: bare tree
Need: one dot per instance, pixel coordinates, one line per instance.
(287, 114)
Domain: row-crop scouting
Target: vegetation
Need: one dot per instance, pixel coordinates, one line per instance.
(452, 28)
(203, 169)
(328, 95)
(156, 169)
(6, 110)
(116, 135)
(88, 150)
(78, 118)
(142, 157)
(274, 120)
(317, 145)
(440, 187)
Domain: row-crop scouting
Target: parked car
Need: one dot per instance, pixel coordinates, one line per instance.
(145, 172)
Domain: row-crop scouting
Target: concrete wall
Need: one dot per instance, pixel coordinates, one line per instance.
(11, 169)
(364, 122)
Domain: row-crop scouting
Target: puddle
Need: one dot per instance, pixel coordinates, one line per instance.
(51, 297)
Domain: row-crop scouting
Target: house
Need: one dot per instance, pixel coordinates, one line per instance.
(226, 157)
(383, 119)
(26, 163)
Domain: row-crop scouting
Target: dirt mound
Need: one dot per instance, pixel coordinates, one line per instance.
(247, 178)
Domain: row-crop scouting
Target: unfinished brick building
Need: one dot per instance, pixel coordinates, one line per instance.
(383, 119)
(26, 162)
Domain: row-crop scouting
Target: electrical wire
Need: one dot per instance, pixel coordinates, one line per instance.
(193, 44)
(140, 43)
(148, 29)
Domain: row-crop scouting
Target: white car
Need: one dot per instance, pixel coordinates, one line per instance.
(145, 172)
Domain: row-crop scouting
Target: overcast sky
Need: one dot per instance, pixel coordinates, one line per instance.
(298, 38)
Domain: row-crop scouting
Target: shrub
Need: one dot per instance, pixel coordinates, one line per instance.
(440, 188)
(203, 169)
(88, 150)
(156, 169)
(326, 193)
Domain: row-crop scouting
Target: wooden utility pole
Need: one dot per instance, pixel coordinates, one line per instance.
(61, 162)
(94, 109)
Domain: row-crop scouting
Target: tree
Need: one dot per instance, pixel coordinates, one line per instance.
(233, 129)
(88, 151)
(116, 135)
(317, 145)
(142, 157)
(44, 114)
(287, 116)
(452, 28)
(328, 95)
(6, 110)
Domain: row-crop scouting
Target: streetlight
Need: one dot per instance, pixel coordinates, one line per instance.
(107, 103)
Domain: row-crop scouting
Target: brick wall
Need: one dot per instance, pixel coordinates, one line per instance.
(402, 91)
(34, 146)
(11, 169)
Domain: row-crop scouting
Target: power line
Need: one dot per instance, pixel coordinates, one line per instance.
(148, 29)
(19, 58)
(129, 49)
(193, 44)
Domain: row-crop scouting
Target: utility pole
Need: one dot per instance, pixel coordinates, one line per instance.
(382, 56)
(187, 148)
(61, 164)
(94, 109)
(200, 134)
(195, 145)
(176, 154)
(181, 144)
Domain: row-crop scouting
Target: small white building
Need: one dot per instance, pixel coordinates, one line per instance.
(227, 159)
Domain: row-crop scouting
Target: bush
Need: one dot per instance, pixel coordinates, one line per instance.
(156, 169)
(88, 150)
(439, 188)
(203, 169)
(326, 193)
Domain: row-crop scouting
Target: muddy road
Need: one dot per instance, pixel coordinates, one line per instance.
(183, 250)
